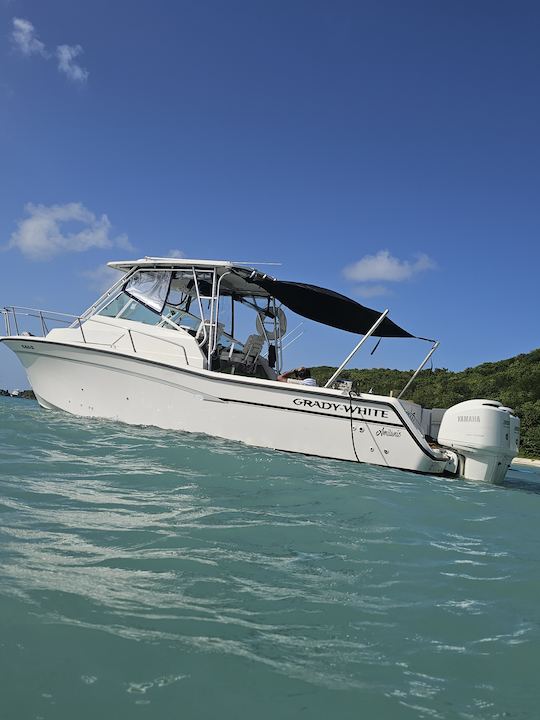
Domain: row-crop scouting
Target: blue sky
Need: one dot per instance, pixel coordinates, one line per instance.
(387, 150)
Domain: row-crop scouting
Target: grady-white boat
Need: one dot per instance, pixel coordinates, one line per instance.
(167, 346)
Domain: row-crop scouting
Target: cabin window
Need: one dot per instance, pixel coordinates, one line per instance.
(182, 288)
(127, 308)
(151, 287)
(139, 313)
(183, 319)
(115, 306)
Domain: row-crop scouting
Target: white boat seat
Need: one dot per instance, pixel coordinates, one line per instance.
(252, 349)
(249, 354)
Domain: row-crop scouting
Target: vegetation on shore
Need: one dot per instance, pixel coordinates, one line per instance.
(514, 382)
(24, 394)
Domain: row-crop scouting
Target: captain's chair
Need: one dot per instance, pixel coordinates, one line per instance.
(247, 357)
(252, 349)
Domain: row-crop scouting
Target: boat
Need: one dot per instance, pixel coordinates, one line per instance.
(198, 346)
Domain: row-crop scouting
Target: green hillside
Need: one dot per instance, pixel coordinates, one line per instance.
(514, 382)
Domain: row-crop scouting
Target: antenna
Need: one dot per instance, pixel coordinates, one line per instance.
(255, 262)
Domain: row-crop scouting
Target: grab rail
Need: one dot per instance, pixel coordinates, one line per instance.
(14, 312)
(11, 313)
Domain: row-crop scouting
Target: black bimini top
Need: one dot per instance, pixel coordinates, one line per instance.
(329, 307)
(309, 301)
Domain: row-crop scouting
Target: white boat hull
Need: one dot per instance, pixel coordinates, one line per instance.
(102, 383)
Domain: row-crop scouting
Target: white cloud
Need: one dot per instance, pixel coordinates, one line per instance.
(384, 266)
(66, 55)
(175, 254)
(24, 38)
(369, 291)
(40, 237)
(102, 277)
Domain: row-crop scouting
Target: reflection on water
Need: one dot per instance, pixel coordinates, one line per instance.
(152, 571)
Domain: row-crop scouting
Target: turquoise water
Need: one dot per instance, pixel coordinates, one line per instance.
(149, 574)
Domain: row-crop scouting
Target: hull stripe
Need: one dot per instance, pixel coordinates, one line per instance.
(237, 381)
(314, 412)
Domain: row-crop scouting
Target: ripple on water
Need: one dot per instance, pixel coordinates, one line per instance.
(174, 556)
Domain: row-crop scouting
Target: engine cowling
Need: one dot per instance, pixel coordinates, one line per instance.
(485, 434)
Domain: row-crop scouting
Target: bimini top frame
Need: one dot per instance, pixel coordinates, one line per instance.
(247, 284)
(310, 301)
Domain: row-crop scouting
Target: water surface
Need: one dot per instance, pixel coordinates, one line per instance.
(151, 574)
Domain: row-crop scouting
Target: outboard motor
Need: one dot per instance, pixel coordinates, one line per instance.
(485, 436)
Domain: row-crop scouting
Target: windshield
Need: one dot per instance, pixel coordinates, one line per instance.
(124, 306)
(162, 297)
(186, 300)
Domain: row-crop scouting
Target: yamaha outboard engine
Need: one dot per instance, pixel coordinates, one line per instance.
(485, 436)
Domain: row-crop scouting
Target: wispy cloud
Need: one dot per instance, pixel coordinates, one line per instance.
(40, 237)
(384, 267)
(101, 278)
(66, 55)
(25, 39)
(175, 254)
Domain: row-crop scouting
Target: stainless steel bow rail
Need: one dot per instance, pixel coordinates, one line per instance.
(13, 318)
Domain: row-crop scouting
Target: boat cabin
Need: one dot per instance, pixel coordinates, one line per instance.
(200, 313)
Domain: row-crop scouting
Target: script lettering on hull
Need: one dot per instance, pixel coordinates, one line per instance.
(388, 433)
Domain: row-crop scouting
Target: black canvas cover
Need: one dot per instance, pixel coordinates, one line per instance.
(329, 307)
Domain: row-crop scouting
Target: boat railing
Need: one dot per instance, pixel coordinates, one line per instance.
(20, 320)
(45, 320)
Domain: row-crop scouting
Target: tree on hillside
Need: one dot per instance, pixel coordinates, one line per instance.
(514, 382)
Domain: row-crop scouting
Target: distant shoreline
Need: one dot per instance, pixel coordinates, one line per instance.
(24, 394)
(526, 461)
